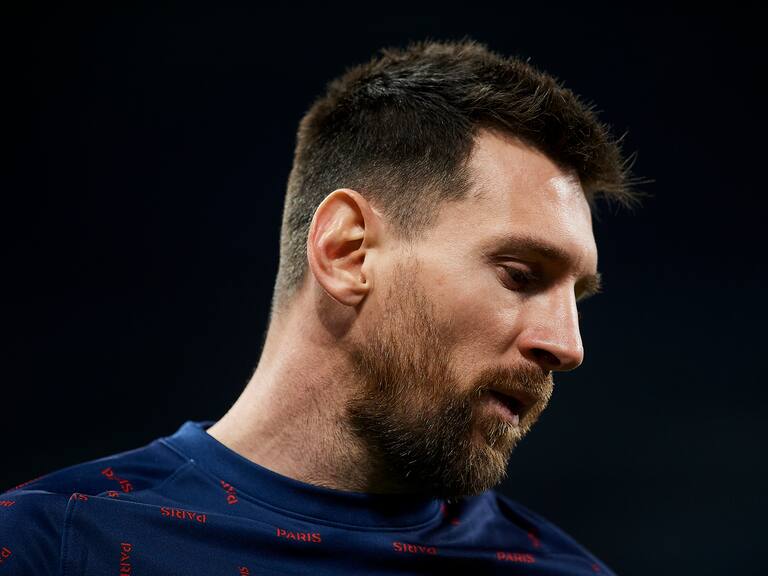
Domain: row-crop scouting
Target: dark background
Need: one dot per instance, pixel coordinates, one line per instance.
(149, 150)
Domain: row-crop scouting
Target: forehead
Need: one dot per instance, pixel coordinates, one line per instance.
(518, 190)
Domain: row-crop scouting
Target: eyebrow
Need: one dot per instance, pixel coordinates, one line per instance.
(526, 244)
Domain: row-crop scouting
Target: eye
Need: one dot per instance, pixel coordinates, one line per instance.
(521, 278)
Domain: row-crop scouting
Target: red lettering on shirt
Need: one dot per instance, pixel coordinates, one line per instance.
(302, 536)
(78, 496)
(125, 485)
(113, 493)
(125, 557)
(231, 493)
(5, 553)
(244, 571)
(413, 548)
(183, 514)
(7, 503)
(515, 557)
(534, 539)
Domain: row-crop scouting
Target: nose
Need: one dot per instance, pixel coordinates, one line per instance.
(551, 337)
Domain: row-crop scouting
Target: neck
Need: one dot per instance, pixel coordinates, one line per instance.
(290, 418)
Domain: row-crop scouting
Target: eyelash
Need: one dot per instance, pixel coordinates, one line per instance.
(522, 276)
(525, 278)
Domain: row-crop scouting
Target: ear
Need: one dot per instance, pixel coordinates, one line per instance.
(344, 228)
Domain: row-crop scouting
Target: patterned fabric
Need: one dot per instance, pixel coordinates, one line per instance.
(187, 504)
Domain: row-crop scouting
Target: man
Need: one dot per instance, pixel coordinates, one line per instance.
(436, 240)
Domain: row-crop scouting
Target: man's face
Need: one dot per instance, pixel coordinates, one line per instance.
(450, 324)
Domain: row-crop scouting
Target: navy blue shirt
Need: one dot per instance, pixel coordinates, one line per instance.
(187, 504)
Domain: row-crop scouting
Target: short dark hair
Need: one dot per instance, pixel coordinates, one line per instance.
(400, 130)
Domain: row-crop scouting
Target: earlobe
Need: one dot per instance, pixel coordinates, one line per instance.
(342, 232)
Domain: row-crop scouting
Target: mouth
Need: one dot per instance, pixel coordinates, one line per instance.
(517, 402)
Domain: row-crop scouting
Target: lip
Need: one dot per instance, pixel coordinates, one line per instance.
(503, 408)
(518, 402)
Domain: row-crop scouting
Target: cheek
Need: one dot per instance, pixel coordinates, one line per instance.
(481, 327)
(479, 313)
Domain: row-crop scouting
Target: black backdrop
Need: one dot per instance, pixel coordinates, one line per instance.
(149, 150)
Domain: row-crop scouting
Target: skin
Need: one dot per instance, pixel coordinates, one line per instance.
(376, 380)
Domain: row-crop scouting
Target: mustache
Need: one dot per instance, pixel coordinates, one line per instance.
(528, 382)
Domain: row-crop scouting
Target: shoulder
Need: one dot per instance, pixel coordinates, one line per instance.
(123, 472)
(544, 535)
(33, 515)
(30, 531)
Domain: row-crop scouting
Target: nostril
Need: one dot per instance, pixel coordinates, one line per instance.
(547, 357)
